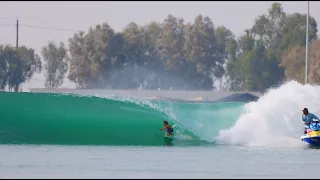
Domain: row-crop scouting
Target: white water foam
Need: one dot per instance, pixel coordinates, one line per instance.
(275, 119)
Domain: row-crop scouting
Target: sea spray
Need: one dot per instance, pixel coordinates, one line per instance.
(275, 119)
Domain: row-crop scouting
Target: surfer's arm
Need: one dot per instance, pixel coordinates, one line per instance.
(163, 128)
(315, 117)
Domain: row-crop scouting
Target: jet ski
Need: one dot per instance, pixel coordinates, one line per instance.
(313, 134)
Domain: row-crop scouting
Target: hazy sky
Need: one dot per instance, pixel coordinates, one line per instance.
(70, 17)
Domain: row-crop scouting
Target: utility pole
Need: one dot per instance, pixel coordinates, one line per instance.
(307, 46)
(17, 45)
(17, 37)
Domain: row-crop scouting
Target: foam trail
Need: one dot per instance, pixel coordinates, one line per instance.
(275, 119)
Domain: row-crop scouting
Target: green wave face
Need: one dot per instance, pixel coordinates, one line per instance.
(39, 118)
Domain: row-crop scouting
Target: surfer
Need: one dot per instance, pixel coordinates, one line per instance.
(168, 135)
(308, 118)
(168, 128)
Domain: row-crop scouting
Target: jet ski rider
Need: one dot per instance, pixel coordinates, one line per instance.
(308, 118)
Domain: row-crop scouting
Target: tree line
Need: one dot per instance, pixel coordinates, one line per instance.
(174, 54)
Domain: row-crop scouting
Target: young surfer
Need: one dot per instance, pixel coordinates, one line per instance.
(169, 130)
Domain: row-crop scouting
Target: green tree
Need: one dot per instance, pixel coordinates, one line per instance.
(238, 68)
(203, 51)
(294, 32)
(17, 66)
(263, 48)
(150, 35)
(134, 51)
(172, 56)
(4, 66)
(227, 46)
(93, 56)
(140, 57)
(56, 66)
(135, 56)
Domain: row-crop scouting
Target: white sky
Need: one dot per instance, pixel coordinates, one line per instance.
(237, 16)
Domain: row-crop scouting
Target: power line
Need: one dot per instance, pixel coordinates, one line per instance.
(42, 27)
(36, 26)
(8, 18)
(5, 17)
(20, 17)
(6, 24)
(49, 28)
